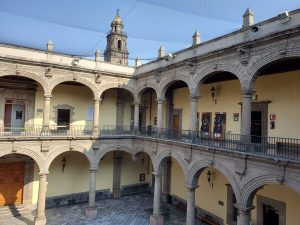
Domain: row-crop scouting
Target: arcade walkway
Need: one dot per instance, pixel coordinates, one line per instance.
(129, 210)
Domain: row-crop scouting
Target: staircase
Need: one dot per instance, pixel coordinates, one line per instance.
(13, 211)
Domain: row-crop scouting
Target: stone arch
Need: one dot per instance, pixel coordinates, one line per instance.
(29, 75)
(197, 168)
(165, 84)
(112, 148)
(236, 70)
(157, 164)
(249, 190)
(116, 85)
(140, 90)
(31, 153)
(62, 149)
(87, 83)
(261, 62)
(144, 150)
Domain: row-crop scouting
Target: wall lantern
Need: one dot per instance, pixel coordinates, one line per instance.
(213, 93)
(210, 179)
(64, 161)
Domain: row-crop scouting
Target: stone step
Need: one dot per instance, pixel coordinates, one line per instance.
(13, 211)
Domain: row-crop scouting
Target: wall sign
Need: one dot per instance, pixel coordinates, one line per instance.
(236, 116)
(272, 116)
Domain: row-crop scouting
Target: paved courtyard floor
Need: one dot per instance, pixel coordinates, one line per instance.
(129, 210)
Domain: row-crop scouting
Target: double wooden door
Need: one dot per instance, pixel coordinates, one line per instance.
(11, 183)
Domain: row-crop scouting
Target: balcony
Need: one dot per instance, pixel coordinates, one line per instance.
(271, 147)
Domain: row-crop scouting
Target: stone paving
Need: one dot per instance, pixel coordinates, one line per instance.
(129, 210)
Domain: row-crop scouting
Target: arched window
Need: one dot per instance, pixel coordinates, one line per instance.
(119, 45)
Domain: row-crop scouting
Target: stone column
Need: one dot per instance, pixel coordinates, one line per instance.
(136, 115)
(117, 174)
(190, 206)
(244, 217)
(160, 112)
(120, 111)
(193, 116)
(96, 117)
(167, 181)
(156, 218)
(46, 112)
(40, 218)
(91, 211)
(246, 112)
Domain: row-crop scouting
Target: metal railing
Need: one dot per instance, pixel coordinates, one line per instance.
(275, 147)
(52, 130)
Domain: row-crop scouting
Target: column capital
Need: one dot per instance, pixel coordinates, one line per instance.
(194, 98)
(43, 174)
(247, 92)
(93, 170)
(160, 100)
(97, 99)
(48, 96)
(191, 187)
(243, 209)
(156, 174)
(137, 103)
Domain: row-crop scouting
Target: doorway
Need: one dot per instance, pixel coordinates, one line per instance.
(256, 126)
(12, 183)
(270, 215)
(14, 114)
(63, 119)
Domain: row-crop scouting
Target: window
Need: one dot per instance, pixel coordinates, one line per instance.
(119, 45)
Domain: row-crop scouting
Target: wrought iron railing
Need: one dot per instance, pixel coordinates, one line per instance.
(275, 147)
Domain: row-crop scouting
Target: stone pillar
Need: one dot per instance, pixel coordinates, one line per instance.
(40, 218)
(96, 117)
(246, 112)
(136, 115)
(193, 116)
(46, 112)
(167, 181)
(117, 174)
(160, 112)
(244, 217)
(91, 211)
(190, 206)
(156, 218)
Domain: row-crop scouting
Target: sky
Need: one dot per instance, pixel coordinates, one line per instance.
(79, 27)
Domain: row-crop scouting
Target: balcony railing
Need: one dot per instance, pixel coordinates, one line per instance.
(274, 147)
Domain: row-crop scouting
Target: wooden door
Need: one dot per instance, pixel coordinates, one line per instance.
(176, 122)
(11, 183)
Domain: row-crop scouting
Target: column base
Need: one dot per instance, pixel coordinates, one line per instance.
(95, 131)
(90, 212)
(156, 219)
(40, 220)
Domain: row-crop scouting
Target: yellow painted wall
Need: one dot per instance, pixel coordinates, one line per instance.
(108, 109)
(131, 170)
(282, 194)
(284, 93)
(177, 181)
(228, 97)
(145, 100)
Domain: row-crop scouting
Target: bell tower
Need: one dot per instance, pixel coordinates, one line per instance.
(116, 48)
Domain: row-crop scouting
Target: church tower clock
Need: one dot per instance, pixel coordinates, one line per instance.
(116, 49)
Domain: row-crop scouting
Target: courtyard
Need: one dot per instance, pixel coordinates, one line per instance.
(128, 210)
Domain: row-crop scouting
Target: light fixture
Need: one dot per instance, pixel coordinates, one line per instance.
(213, 94)
(210, 178)
(64, 161)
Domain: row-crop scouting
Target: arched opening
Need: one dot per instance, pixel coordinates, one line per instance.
(275, 204)
(214, 197)
(18, 98)
(119, 45)
(116, 109)
(72, 109)
(176, 110)
(68, 179)
(276, 101)
(147, 110)
(19, 183)
(218, 110)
